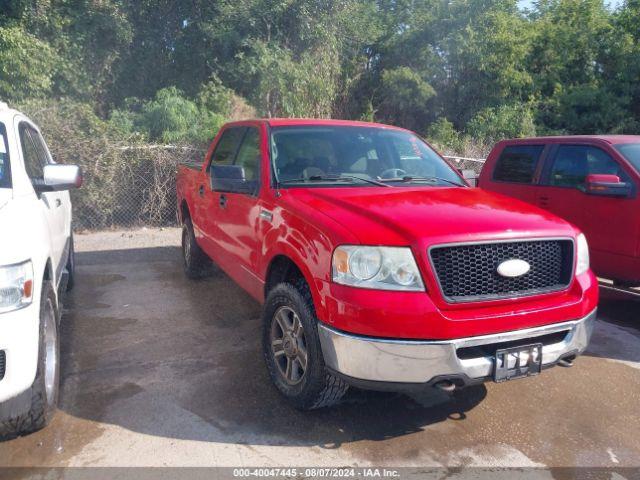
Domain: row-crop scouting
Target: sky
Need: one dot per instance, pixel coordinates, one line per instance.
(528, 3)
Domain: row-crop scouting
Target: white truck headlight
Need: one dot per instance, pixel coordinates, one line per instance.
(382, 268)
(16, 286)
(582, 254)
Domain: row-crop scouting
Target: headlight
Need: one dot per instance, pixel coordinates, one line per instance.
(16, 286)
(383, 268)
(582, 263)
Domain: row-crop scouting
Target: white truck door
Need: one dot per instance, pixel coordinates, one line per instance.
(62, 212)
(35, 156)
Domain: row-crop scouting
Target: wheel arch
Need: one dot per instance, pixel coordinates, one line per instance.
(48, 274)
(284, 268)
(184, 211)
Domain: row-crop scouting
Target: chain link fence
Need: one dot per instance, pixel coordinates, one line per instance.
(470, 167)
(133, 186)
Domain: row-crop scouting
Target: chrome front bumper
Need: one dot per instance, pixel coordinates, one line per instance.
(416, 361)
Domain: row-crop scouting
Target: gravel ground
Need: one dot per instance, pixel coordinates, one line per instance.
(158, 370)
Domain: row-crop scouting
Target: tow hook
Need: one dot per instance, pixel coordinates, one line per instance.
(566, 362)
(446, 386)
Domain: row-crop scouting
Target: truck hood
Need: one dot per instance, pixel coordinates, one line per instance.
(432, 215)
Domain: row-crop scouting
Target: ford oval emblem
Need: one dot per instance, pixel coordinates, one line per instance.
(513, 268)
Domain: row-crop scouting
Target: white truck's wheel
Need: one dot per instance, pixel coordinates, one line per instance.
(41, 399)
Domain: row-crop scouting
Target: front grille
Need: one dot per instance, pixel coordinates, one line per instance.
(3, 363)
(470, 272)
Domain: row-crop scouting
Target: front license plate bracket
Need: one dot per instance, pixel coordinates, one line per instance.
(517, 362)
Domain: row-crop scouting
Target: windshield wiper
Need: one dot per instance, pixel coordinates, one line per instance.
(334, 178)
(410, 178)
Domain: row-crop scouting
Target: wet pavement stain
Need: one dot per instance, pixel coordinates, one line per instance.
(149, 356)
(101, 280)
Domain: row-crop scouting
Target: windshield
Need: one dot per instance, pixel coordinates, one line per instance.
(367, 156)
(631, 151)
(5, 175)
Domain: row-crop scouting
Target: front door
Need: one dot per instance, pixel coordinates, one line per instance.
(239, 217)
(561, 190)
(35, 157)
(207, 216)
(610, 223)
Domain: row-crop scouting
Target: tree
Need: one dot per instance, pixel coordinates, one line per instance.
(404, 96)
(27, 65)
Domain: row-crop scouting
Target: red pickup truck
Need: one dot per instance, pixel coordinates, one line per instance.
(590, 181)
(377, 265)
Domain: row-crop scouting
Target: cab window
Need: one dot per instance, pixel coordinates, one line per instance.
(34, 157)
(518, 163)
(249, 154)
(227, 147)
(572, 164)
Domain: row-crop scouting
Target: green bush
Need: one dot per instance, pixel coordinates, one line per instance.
(507, 121)
(443, 135)
(127, 182)
(173, 118)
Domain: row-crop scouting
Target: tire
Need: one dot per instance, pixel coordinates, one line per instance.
(71, 265)
(42, 397)
(195, 262)
(294, 357)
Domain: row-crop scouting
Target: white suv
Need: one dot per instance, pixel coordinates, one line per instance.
(36, 265)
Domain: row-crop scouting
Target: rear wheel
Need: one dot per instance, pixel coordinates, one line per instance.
(292, 349)
(42, 397)
(195, 262)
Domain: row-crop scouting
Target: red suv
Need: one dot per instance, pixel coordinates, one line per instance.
(377, 265)
(591, 181)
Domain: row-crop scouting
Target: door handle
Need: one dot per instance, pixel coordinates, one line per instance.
(223, 201)
(201, 190)
(58, 202)
(266, 215)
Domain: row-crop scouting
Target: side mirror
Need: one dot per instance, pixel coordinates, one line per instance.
(607, 185)
(59, 177)
(232, 179)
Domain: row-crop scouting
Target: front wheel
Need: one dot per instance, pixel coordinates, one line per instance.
(292, 349)
(42, 397)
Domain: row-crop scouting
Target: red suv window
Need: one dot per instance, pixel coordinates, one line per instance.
(518, 163)
(572, 164)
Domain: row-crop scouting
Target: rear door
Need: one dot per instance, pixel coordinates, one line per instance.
(608, 222)
(516, 171)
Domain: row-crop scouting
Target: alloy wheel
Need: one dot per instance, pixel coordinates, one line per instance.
(288, 345)
(50, 352)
